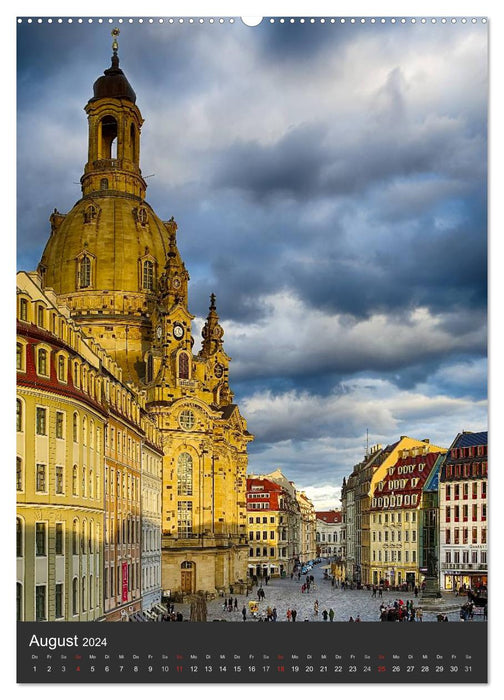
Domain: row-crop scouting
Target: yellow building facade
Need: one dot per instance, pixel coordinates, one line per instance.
(395, 507)
(116, 265)
(60, 422)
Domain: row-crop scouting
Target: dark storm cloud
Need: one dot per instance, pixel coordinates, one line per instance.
(311, 162)
(329, 186)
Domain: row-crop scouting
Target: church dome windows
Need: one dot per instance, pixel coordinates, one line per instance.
(148, 275)
(90, 213)
(104, 183)
(147, 267)
(85, 270)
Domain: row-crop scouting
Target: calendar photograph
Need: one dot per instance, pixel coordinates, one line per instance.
(251, 349)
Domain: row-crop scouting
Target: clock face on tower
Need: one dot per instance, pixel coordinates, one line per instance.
(178, 331)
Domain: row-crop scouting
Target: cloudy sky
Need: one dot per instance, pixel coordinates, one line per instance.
(329, 183)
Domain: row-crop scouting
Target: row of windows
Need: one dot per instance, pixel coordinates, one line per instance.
(89, 597)
(394, 517)
(85, 485)
(395, 501)
(116, 578)
(395, 536)
(122, 485)
(151, 540)
(264, 552)
(151, 577)
(265, 520)
(462, 491)
(472, 451)
(122, 443)
(467, 557)
(395, 556)
(461, 535)
(461, 513)
(85, 538)
(42, 417)
(265, 535)
(122, 531)
(466, 470)
(323, 537)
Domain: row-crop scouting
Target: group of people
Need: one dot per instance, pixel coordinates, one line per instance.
(400, 611)
(229, 605)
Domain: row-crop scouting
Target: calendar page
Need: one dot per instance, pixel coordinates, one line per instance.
(251, 349)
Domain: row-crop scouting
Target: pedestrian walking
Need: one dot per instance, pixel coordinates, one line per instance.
(294, 615)
(244, 614)
(325, 615)
(331, 614)
(289, 614)
(315, 607)
(236, 603)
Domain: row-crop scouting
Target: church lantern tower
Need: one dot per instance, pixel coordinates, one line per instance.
(105, 256)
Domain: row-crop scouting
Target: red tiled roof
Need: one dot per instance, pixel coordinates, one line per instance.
(328, 516)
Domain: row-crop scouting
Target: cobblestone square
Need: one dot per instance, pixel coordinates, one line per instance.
(286, 593)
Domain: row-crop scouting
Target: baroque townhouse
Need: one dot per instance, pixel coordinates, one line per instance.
(463, 513)
(328, 533)
(60, 422)
(395, 517)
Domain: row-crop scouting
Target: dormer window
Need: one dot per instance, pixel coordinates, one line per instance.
(23, 309)
(142, 215)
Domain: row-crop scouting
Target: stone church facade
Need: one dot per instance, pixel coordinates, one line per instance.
(115, 263)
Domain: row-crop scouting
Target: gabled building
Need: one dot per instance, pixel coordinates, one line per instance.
(269, 513)
(395, 515)
(463, 490)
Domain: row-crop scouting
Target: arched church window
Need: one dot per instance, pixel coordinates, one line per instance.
(184, 474)
(104, 183)
(148, 274)
(183, 362)
(85, 272)
(90, 214)
(142, 215)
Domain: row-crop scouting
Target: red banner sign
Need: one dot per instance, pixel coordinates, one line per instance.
(124, 582)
